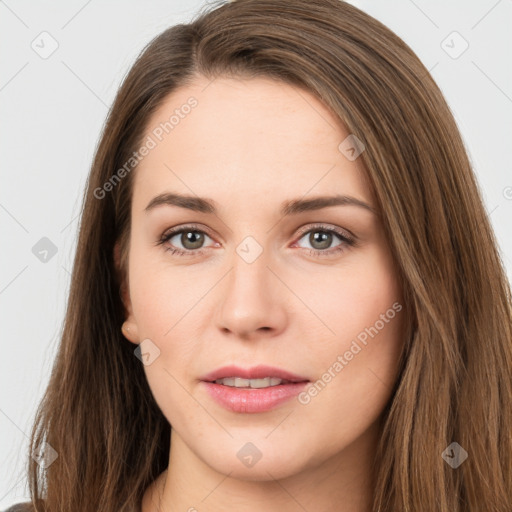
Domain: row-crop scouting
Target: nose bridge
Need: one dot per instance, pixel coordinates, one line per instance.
(250, 274)
(252, 252)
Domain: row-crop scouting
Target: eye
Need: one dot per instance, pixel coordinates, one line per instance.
(190, 238)
(320, 239)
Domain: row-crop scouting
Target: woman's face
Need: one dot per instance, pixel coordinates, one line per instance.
(266, 273)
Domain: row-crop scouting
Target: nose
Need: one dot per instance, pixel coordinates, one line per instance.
(252, 300)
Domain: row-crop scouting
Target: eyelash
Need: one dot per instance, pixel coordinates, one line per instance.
(346, 240)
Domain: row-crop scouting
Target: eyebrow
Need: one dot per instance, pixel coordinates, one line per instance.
(290, 207)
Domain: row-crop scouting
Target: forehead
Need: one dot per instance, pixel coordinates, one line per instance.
(250, 136)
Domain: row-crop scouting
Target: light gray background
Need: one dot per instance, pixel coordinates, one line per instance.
(52, 114)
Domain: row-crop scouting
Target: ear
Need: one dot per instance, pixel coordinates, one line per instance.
(129, 327)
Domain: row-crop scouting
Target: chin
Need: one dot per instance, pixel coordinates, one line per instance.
(258, 461)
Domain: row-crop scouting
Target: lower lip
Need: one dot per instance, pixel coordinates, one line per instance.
(249, 400)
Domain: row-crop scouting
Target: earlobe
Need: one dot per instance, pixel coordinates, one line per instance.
(130, 331)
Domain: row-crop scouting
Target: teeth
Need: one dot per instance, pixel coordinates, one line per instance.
(238, 382)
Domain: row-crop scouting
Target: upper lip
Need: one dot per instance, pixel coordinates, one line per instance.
(256, 372)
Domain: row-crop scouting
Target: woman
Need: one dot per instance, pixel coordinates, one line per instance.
(212, 361)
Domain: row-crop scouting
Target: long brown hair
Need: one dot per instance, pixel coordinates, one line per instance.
(455, 380)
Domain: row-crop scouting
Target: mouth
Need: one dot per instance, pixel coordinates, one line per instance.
(255, 390)
(241, 383)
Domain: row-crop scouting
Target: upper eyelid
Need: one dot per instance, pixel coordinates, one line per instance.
(326, 227)
(179, 229)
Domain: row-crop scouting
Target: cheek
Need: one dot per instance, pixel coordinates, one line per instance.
(350, 300)
(153, 302)
(356, 383)
(162, 297)
(356, 363)
(162, 294)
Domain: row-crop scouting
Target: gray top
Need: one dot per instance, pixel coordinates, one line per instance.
(21, 507)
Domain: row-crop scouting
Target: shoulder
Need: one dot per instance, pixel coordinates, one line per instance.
(21, 507)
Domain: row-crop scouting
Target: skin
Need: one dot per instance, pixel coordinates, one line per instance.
(249, 145)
